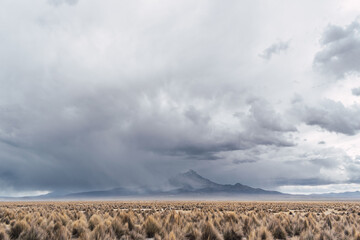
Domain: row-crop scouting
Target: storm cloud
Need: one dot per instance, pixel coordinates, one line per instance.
(331, 116)
(96, 95)
(355, 91)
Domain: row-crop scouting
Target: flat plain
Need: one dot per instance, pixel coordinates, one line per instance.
(193, 220)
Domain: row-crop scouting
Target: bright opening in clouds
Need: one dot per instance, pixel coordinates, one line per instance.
(102, 94)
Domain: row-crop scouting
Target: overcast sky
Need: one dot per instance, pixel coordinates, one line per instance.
(99, 94)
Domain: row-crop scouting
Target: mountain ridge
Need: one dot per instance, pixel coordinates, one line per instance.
(187, 184)
(190, 184)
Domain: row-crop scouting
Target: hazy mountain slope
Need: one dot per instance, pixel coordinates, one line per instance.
(185, 184)
(192, 182)
(342, 195)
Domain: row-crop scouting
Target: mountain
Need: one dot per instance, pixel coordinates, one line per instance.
(188, 184)
(194, 186)
(116, 192)
(192, 182)
(341, 195)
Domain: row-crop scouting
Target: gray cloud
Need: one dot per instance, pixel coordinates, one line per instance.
(60, 2)
(275, 48)
(292, 166)
(340, 50)
(109, 132)
(241, 161)
(199, 137)
(131, 93)
(331, 115)
(355, 91)
(302, 181)
(264, 116)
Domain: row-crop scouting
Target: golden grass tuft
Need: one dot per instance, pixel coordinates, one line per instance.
(151, 227)
(3, 235)
(18, 228)
(179, 220)
(209, 232)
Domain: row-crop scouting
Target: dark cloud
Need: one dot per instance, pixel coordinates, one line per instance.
(241, 161)
(110, 132)
(194, 134)
(264, 116)
(355, 91)
(115, 93)
(340, 51)
(331, 115)
(275, 48)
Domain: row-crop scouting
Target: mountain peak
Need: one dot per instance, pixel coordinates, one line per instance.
(191, 180)
(191, 172)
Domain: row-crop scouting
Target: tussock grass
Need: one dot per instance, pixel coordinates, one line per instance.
(3, 235)
(18, 228)
(151, 227)
(179, 220)
(209, 232)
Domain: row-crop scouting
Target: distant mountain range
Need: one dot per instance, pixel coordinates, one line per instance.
(188, 184)
(341, 195)
(191, 185)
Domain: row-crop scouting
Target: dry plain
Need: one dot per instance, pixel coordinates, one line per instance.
(206, 220)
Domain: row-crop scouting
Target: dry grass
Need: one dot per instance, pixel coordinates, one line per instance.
(173, 220)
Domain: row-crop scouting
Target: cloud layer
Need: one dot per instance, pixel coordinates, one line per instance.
(341, 50)
(103, 94)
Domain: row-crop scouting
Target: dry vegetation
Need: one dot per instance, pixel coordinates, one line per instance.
(180, 220)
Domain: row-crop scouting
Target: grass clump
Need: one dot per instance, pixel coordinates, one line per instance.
(18, 228)
(151, 227)
(209, 232)
(230, 234)
(94, 221)
(179, 220)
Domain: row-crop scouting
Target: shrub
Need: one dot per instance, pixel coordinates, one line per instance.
(357, 236)
(79, 229)
(34, 233)
(308, 235)
(171, 236)
(151, 227)
(118, 228)
(279, 232)
(18, 228)
(3, 235)
(94, 221)
(61, 232)
(191, 233)
(246, 227)
(99, 232)
(230, 234)
(126, 218)
(264, 234)
(209, 232)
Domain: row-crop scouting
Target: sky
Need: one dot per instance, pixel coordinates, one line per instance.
(101, 94)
